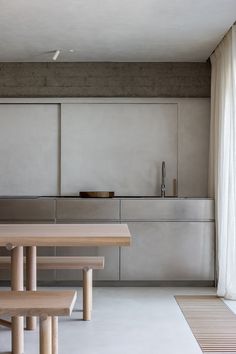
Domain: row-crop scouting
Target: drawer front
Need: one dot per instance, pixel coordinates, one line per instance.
(110, 271)
(169, 251)
(87, 209)
(38, 209)
(111, 255)
(166, 209)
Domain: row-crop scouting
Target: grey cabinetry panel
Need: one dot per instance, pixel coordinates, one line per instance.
(45, 275)
(87, 209)
(193, 147)
(169, 251)
(30, 210)
(91, 211)
(29, 149)
(37, 209)
(111, 254)
(105, 146)
(110, 272)
(167, 209)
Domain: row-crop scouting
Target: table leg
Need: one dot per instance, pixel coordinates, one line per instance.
(31, 280)
(45, 335)
(17, 283)
(54, 335)
(87, 294)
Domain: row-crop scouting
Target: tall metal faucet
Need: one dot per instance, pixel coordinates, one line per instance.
(163, 176)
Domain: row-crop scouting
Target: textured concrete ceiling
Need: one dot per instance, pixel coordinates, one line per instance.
(113, 30)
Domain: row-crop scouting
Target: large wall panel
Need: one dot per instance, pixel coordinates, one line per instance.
(29, 149)
(193, 137)
(118, 147)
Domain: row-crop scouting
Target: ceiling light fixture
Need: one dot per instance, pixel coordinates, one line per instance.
(55, 56)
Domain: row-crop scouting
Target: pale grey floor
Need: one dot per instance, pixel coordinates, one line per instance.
(125, 321)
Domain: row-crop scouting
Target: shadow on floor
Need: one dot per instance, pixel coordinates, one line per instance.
(69, 319)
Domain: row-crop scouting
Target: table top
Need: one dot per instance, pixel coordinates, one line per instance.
(64, 235)
(37, 303)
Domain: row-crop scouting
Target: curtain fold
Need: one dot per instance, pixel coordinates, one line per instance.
(222, 166)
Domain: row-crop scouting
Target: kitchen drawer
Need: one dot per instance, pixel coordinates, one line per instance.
(167, 209)
(87, 209)
(36, 209)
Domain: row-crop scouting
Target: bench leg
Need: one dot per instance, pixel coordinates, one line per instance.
(17, 283)
(91, 291)
(87, 293)
(45, 343)
(31, 281)
(54, 335)
(17, 335)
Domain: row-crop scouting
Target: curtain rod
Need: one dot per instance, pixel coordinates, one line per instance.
(221, 40)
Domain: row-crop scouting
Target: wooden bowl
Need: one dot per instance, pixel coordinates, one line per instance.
(98, 194)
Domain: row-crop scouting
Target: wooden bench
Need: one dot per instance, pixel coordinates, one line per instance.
(47, 305)
(86, 264)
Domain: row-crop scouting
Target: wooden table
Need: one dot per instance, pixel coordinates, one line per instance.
(17, 236)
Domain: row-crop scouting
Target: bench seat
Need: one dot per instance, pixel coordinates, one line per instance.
(60, 262)
(86, 264)
(47, 305)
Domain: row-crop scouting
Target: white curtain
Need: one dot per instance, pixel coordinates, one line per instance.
(222, 172)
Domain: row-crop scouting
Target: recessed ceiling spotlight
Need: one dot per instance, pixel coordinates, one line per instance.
(56, 54)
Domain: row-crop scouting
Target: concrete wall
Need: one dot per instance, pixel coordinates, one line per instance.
(104, 79)
(72, 145)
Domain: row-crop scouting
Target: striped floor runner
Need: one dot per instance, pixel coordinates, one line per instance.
(213, 324)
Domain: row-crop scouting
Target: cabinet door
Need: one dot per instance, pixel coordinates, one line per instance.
(29, 149)
(110, 272)
(105, 146)
(169, 251)
(111, 254)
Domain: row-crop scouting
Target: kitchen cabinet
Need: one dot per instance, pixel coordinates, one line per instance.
(173, 239)
(167, 209)
(77, 210)
(27, 210)
(110, 271)
(69, 209)
(169, 251)
(29, 140)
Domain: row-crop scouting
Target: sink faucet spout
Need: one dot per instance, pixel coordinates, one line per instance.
(163, 176)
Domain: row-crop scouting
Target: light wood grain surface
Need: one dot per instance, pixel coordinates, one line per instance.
(213, 324)
(37, 303)
(60, 262)
(64, 235)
